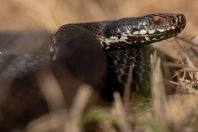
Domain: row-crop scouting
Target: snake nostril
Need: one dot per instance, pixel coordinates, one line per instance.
(173, 21)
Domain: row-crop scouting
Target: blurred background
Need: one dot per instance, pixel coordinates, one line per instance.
(26, 26)
(18, 15)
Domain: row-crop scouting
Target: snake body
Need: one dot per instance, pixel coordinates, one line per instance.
(126, 43)
(110, 55)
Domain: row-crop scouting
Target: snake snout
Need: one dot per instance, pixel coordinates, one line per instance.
(182, 20)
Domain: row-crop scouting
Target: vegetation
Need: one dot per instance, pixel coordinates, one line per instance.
(161, 113)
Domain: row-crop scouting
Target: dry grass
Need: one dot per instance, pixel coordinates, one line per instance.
(176, 112)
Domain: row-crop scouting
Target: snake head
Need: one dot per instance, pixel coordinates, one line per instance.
(138, 31)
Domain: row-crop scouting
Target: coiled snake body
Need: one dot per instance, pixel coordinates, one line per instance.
(109, 55)
(125, 42)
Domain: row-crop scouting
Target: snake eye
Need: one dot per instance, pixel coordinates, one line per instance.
(158, 19)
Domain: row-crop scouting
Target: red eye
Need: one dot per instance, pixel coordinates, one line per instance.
(158, 19)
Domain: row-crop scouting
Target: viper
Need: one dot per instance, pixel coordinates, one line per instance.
(108, 55)
(126, 45)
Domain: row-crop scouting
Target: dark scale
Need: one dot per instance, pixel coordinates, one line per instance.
(140, 75)
(142, 71)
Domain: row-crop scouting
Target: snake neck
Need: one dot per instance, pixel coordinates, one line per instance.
(132, 68)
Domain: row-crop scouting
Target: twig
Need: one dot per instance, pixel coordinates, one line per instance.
(158, 90)
(119, 108)
(81, 100)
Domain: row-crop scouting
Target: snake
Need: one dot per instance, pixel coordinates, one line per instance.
(126, 44)
(109, 55)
